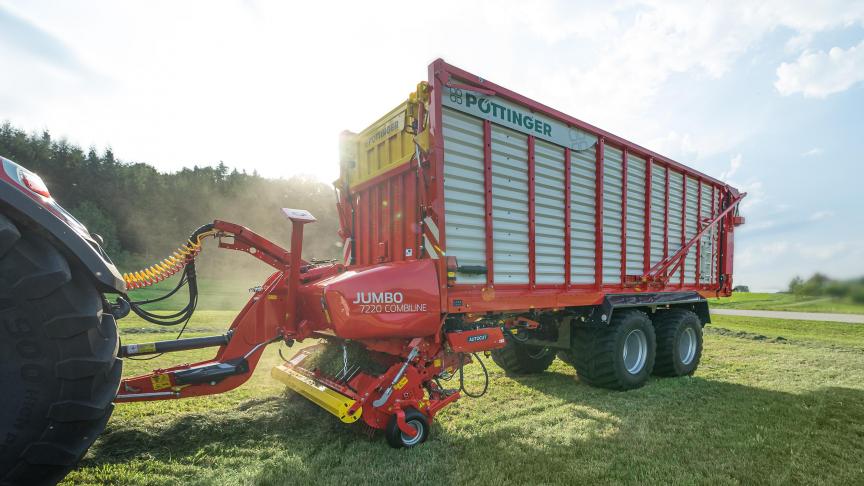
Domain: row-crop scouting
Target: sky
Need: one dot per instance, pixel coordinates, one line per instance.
(767, 95)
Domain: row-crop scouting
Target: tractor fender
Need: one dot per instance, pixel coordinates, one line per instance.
(45, 215)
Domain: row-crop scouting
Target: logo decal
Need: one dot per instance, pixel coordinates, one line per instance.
(478, 338)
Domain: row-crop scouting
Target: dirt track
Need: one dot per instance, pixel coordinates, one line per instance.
(801, 316)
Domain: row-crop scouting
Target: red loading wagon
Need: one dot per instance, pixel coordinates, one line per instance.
(477, 220)
(474, 220)
(534, 216)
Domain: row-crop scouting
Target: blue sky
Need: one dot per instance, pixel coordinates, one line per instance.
(767, 95)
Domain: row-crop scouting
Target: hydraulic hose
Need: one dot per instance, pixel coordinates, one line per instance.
(183, 259)
(183, 256)
(462, 377)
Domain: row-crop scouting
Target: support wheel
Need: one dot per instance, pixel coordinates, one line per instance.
(521, 359)
(58, 360)
(618, 357)
(679, 342)
(398, 439)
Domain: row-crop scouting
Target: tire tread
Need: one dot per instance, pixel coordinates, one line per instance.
(66, 310)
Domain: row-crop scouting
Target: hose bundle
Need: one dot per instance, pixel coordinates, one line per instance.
(166, 268)
(183, 259)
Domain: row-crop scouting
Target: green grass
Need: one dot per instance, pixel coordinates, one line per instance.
(786, 302)
(214, 294)
(758, 410)
(800, 332)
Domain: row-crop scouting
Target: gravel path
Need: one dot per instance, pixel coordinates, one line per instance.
(801, 316)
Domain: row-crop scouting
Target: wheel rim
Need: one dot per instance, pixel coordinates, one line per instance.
(635, 351)
(687, 346)
(410, 441)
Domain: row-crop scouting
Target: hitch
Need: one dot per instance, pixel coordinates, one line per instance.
(269, 316)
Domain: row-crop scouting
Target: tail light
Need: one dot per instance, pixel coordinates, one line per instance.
(33, 182)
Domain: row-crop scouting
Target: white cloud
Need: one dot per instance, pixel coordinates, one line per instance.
(828, 251)
(734, 165)
(755, 193)
(817, 74)
(821, 215)
(798, 43)
(812, 152)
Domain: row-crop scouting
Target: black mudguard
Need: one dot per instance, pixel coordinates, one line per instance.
(650, 299)
(29, 213)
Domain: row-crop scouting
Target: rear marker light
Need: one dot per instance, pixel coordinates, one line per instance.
(35, 184)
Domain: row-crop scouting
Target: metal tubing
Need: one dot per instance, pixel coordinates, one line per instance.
(174, 345)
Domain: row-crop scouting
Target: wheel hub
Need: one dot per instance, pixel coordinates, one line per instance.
(410, 441)
(687, 346)
(635, 351)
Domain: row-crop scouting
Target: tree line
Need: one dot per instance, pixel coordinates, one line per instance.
(822, 285)
(143, 214)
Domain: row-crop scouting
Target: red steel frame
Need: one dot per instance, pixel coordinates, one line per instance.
(492, 296)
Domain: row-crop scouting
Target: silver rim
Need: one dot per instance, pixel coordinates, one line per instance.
(635, 351)
(687, 346)
(410, 441)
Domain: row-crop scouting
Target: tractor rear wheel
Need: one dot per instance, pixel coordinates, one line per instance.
(58, 360)
(619, 357)
(521, 359)
(679, 342)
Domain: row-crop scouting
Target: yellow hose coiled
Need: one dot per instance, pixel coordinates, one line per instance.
(166, 268)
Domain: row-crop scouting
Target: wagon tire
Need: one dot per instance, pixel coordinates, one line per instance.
(58, 360)
(679, 342)
(397, 439)
(619, 356)
(521, 359)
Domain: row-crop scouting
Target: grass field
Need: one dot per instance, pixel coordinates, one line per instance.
(786, 302)
(773, 402)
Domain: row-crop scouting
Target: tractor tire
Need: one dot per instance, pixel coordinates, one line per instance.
(397, 439)
(617, 357)
(679, 342)
(58, 360)
(520, 359)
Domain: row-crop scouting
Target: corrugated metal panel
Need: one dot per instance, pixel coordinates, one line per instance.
(705, 247)
(583, 168)
(463, 191)
(635, 215)
(549, 212)
(710, 205)
(509, 205)
(612, 220)
(658, 205)
(690, 228)
(676, 220)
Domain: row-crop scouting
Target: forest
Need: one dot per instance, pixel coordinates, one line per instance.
(143, 214)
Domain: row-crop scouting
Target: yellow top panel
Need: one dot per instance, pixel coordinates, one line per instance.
(382, 146)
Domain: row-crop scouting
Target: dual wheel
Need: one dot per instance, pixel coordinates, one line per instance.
(622, 355)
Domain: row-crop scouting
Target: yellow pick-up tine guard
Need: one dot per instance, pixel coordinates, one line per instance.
(326, 398)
